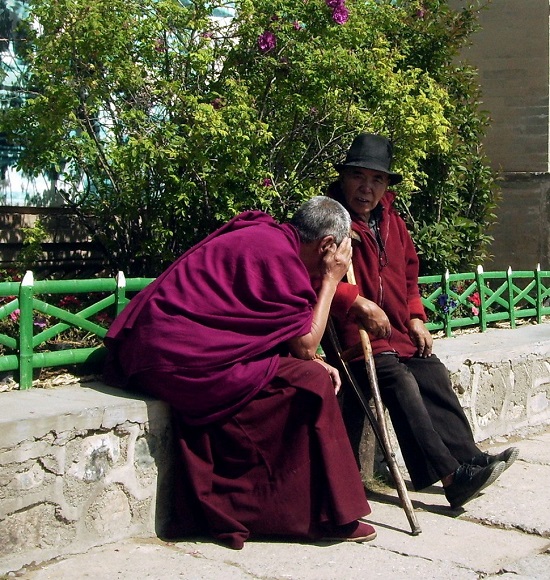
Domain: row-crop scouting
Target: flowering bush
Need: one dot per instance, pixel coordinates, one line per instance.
(9, 325)
(446, 304)
(461, 302)
(267, 41)
(169, 115)
(70, 302)
(340, 13)
(10, 275)
(476, 302)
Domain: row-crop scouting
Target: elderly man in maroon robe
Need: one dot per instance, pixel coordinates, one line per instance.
(228, 337)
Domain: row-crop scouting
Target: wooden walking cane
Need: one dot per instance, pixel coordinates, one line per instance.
(378, 424)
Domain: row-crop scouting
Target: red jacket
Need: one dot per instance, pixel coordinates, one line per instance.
(388, 278)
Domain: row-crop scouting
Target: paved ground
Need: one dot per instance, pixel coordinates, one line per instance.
(504, 533)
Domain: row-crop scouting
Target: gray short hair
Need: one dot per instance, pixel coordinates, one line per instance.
(319, 217)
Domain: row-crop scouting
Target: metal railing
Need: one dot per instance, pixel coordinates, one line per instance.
(34, 322)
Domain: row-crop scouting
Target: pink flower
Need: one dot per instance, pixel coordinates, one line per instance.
(420, 13)
(15, 315)
(475, 310)
(103, 317)
(217, 103)
(475, 299)
(40, 322)
(68, 301)
(340, 14)
(266, 41)
(267, 182)
(335, 3)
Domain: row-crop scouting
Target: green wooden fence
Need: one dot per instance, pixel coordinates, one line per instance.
(36, 317)
(34, 347)
(479, 298)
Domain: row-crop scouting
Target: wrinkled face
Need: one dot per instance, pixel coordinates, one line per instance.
(363, 189)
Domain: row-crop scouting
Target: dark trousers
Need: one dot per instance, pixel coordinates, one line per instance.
(433, 432)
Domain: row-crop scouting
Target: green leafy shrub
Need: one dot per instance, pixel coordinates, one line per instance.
(161, 121)
(32, 252)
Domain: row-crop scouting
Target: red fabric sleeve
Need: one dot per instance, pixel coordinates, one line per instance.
(416, 309)
(343, 299)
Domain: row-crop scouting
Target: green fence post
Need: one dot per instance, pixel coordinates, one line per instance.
(447, 313)
(538, 289)
(120, 293)
(482, 306)
(26, 292)
(510, 292)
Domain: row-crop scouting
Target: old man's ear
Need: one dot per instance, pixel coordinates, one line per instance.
(326, 243)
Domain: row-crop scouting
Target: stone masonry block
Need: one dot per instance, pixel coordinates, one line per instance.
(80, 466)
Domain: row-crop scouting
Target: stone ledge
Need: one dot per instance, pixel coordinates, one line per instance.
(502, 377)
(82, 466)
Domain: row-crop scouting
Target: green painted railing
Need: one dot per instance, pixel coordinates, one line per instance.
(478, 298)
(24, 314)
(34, 321)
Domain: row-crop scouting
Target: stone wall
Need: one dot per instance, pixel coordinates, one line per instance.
(79, 467)
(522, 232)
(502, 378)
(511, 53)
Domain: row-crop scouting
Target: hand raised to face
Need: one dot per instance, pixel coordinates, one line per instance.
(336, 259)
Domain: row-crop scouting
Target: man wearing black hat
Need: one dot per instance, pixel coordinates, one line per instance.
(433, 432)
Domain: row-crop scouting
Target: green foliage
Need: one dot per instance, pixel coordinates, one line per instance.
(32, 251)
(162, 122)
(450, 213)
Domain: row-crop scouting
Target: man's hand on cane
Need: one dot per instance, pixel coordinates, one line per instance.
(370, 316)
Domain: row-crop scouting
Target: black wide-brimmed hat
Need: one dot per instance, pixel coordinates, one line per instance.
(371, 152)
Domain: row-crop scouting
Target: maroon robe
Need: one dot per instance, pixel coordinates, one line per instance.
(217, 316)
(263, 444)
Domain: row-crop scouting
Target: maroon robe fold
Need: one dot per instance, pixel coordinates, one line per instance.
(280, 466)
(217, 316)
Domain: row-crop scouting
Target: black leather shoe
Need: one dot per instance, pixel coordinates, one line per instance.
(484, 459)
(469, 480)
